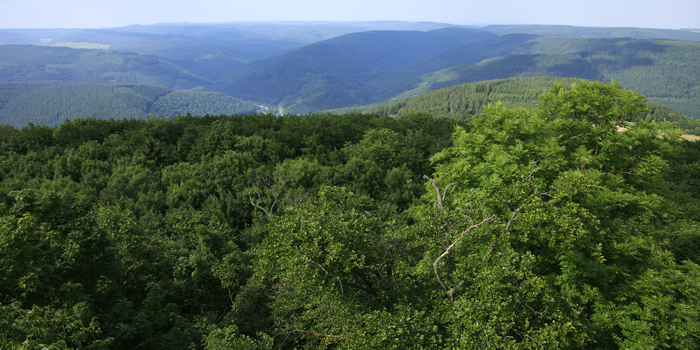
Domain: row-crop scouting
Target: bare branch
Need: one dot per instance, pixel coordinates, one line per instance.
(512, 218)
(440, 198)
(548, 193)
(534, 168)
(257, 204)
(369, 213)
(530, 307)
(444, 192)
(447, 290)
(298, 197)
(493, 247)
(274, 186)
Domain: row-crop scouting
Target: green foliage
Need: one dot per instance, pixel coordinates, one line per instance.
(597, 32)
(570, 206)
(331, 73)
(148, 227)
(46, 328)
(199, 103)
(471, 99)
(649, 67)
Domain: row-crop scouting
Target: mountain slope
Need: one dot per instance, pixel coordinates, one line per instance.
(666, 72)
(254, 62)
(395, 82)
(333, 71)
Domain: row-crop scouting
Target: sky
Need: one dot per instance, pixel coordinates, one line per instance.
(670, 14)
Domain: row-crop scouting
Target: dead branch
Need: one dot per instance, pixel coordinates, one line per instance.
(534, 168)
(271, 184)
(512, 218)
(298, 197)
(493, 247)
(257, 204)
(440, 198)
(372, 216)
(447, 290)
(548, 193)
(523, 334)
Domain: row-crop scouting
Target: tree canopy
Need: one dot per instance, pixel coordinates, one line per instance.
(570, 225)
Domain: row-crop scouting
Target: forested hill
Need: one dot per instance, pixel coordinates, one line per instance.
(521, 229)
(333, 71)
(665, 72)
(45, 65)
(205, 51)
(52, 104)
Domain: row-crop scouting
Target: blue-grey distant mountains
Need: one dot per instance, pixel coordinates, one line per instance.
(309, 67)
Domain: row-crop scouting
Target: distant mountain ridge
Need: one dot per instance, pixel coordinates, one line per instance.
(308, 67)
(596, 32)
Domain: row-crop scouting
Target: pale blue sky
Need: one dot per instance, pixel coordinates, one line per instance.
(671, 14)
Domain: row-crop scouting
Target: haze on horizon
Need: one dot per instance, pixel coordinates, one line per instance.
(668, 14)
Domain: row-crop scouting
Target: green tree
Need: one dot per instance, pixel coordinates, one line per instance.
(335, 274)
(550, 233)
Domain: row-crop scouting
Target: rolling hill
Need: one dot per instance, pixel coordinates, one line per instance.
(202, 50)
(52, 104)
(374, 67)
(42, 64)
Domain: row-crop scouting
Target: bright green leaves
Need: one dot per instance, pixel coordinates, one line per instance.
(595, 103)
(328, 265)
(573, 181)
(48, 328)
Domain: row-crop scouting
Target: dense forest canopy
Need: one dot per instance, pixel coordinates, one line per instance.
(572, 224)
